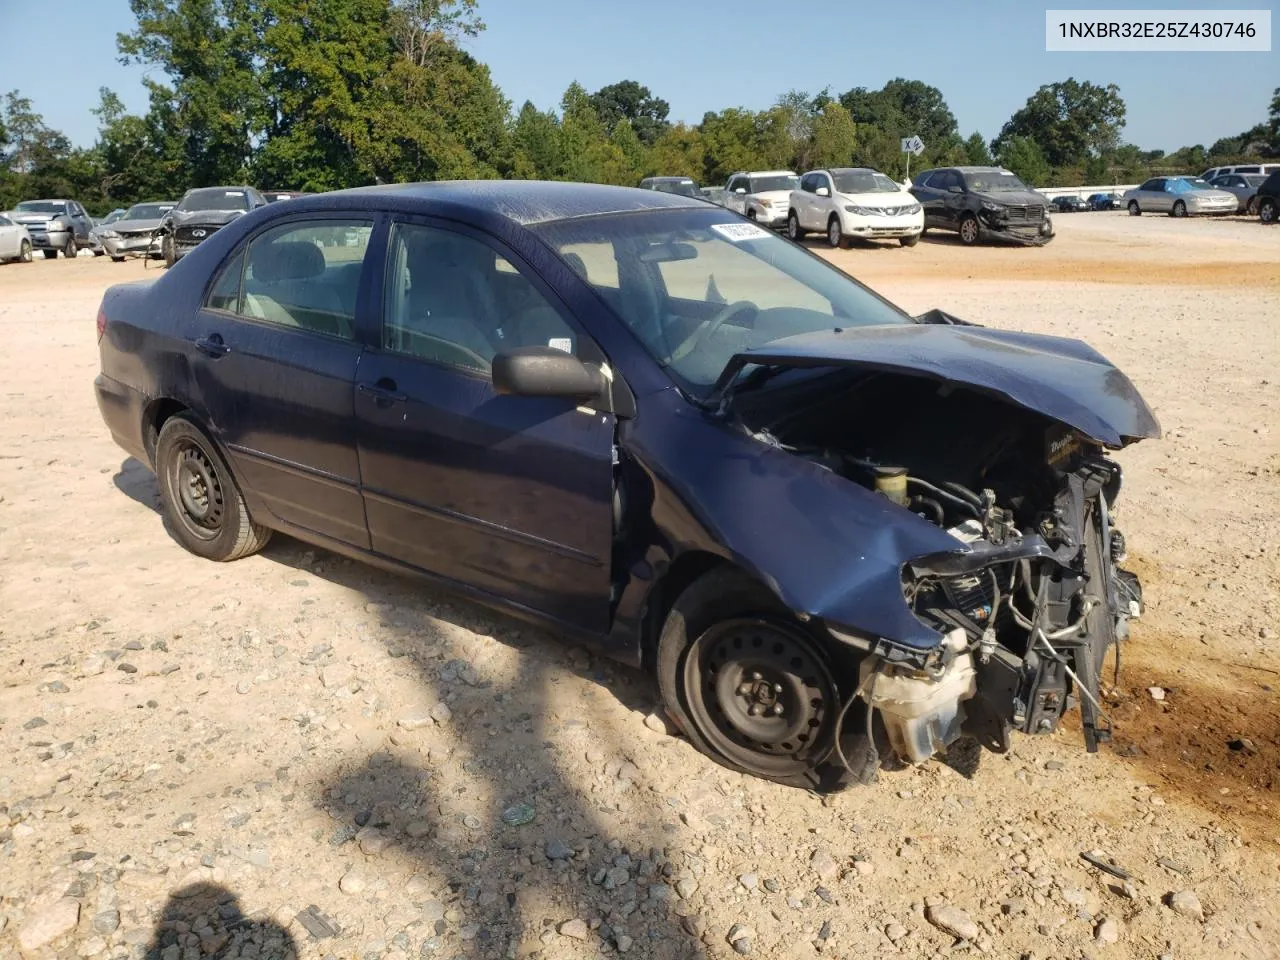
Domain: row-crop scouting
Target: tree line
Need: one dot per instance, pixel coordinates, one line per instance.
(340, 93)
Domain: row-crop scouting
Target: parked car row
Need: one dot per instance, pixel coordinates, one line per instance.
(166, 229)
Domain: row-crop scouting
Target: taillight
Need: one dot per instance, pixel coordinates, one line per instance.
(102, 323)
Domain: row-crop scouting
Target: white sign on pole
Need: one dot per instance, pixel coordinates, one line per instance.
(912, 145)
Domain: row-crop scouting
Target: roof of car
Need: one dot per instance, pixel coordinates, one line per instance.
(845, 170)
(769, 173)
(522, 201)
(676, 179)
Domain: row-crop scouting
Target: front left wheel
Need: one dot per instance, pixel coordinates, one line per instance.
(70, 250)
(24, 252)
(1179, 210)
(794, 230)
(203, 506)
(835, 236)
(750, 686)
(970, 233)
(1267, 210)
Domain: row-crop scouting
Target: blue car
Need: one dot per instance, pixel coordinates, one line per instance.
(838, 534)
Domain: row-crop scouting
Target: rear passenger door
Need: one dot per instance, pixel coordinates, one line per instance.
(273, 358)
(511, 496)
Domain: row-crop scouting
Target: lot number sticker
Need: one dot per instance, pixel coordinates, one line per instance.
(739, 232)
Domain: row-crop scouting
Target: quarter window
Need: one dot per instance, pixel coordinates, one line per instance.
(454, 300)
(304, 274)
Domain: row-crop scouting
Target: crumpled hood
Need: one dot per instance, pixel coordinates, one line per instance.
(1064, 379)
(220, 217)
(132, 226)
(1013, 198)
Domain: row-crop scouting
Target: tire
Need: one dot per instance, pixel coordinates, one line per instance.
(909, 241)
(203, 507)
(1134, 209)
(1267, 210)
(734, 627)
(1179, 209)
(970, 232)
(99, 252)
(794, 230)
(166, 246)
(1251, 208)
(24, 252)
(117, 259)
(49, 254)
(71, 251)
(835, 235)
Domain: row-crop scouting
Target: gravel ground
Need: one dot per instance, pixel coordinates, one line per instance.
(298, 755)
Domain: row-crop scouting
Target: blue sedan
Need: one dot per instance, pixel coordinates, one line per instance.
(659, 428)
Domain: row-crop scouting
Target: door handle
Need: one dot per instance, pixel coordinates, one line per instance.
(383, 391)
(212, 346)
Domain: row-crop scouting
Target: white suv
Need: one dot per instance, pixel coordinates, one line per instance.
(762, 196)
(848, 202)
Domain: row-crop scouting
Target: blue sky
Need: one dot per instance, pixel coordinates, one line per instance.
(987, 57)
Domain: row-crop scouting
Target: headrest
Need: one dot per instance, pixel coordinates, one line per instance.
(287, 260)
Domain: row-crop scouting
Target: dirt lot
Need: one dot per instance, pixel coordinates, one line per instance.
(192, 754)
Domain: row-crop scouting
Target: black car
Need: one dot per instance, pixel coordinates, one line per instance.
(1267, 200)
(275, 196)
(1069, 203)
(982, 203)
(1102, 201)
(658, 428)
(201, 213)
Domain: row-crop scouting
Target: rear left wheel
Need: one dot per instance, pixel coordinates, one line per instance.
(749, 686)
(70, 250)
(1179, 210)
(1134, 209)
(1251, 208)
(203, 506)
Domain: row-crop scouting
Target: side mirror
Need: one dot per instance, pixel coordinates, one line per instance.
(955, 188)
(545, 372)
(823, 192)
(741, 190)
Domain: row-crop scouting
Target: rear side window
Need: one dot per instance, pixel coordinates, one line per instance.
(304, 274)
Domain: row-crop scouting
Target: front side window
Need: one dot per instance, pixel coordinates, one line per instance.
(696, 287)
(304, 274)
(1155, 186)
(454, 300)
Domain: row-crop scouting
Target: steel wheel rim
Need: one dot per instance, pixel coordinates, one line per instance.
(969, 230)
(1267, 212)
(1133, 208)
(762, 696)
(198, 492)
(793, 227)
(1179, 209)
(24, 252)
(833, 233)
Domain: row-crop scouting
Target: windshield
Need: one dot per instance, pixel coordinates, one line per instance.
(766, 184)
(149, 211)
(215, 198)
(112, 217)
(696, 286)
(993, 181)
(682, 188)
(42, 206)
(863, 181)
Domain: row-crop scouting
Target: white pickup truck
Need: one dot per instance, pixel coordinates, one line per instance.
(761, 196)
(849, 202)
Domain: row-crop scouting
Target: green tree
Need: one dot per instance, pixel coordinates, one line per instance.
(976, 151)
(629, 100)
(679, 152)
(1023, 156)
(589, 155)
(1069, 121)
(1273, 121)
(537, 149)
(834, 137)
(903, 108)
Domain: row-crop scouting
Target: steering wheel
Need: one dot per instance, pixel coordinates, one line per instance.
(694, 340)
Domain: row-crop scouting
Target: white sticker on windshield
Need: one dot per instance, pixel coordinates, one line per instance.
(561, 343)
(739, 232)
(234, 193)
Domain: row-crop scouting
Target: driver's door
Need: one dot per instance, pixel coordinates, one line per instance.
(512, 496)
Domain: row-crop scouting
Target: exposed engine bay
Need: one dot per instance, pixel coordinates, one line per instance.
(1032, 598)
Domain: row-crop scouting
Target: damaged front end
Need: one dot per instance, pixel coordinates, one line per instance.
(1009, 459)
(1029, 613)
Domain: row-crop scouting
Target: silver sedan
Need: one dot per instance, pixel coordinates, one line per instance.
(1245, 188)
(1178, 197)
